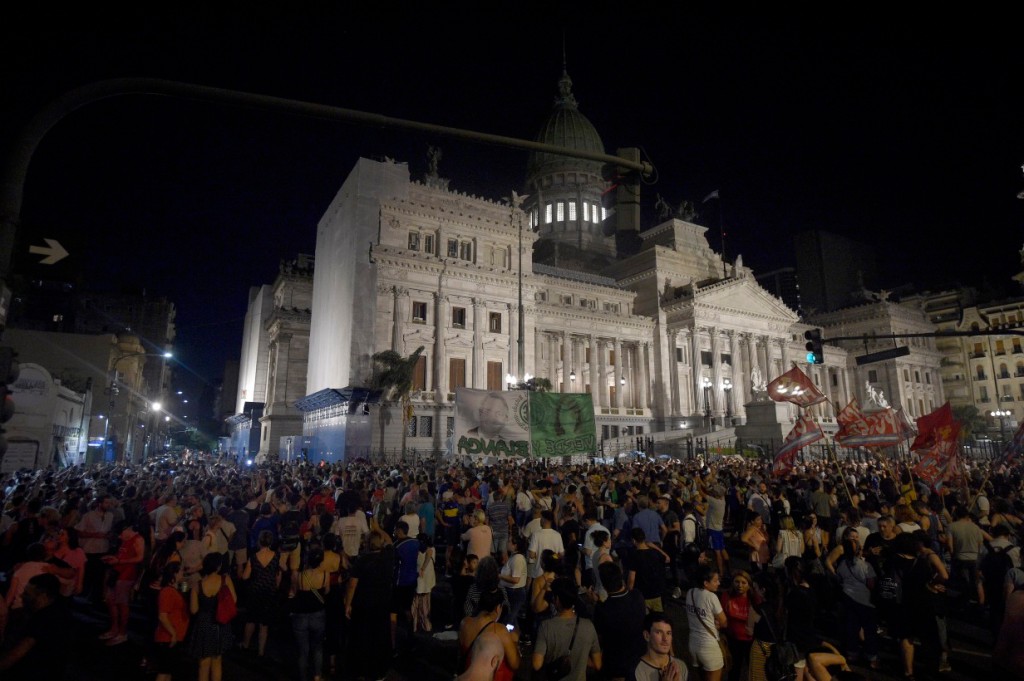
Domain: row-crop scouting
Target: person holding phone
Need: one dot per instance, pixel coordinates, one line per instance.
(488, 622)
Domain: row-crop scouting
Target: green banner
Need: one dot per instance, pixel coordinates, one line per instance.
(562, 424)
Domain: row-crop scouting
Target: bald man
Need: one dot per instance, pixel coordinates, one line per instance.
(487, 654)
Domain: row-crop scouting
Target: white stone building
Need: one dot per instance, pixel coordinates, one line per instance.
(665, 339)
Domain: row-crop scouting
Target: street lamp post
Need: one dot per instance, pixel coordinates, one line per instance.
(727, 387)
(706, 383)
(1002, 415)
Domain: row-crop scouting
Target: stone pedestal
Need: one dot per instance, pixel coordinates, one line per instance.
(766, 421)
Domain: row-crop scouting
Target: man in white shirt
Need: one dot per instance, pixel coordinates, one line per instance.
(165, 517)
(590, 522)
(94, 538)
(542, 540)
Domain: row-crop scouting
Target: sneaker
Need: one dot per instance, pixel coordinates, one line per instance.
(117, 640)
(677, 593)
(107, 635)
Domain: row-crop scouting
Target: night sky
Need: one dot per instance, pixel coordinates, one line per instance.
(904, 134)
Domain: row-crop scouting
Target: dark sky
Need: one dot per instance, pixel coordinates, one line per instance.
(904, 134)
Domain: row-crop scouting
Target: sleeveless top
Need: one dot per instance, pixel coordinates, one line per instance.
(309, 600)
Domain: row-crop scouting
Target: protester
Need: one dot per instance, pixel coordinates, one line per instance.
(210, 639)
(657, 662)
(705, 616)
(567, 634)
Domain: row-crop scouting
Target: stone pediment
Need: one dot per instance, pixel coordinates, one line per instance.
(458, 340)
(422, 336)
(743, 297)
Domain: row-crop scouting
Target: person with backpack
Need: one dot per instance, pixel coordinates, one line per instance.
(996, 561)
(965, 540)
(914, 589)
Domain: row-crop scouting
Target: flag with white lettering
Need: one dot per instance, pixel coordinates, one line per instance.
(796, 387)
(805, 432)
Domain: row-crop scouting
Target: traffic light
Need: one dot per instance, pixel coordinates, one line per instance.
(815, 354)
(9, 370)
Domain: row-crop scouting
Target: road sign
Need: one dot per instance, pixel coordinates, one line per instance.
(53, 251)
(892, 353)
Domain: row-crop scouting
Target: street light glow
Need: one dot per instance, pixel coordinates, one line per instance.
(156, 406)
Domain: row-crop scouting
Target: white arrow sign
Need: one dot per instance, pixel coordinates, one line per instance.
(53, 251)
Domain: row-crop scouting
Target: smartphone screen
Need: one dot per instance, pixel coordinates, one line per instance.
(510, 627)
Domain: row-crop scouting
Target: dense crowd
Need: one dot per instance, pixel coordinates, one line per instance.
(563, 570)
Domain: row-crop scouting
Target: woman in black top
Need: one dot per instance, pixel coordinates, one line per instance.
(800, 606)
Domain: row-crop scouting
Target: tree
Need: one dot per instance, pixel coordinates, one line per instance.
(971, 420)
(393, 376)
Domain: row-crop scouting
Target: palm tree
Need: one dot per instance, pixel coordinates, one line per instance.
(393, 376)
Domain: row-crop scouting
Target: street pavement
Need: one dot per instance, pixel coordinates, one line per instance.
(430, 658)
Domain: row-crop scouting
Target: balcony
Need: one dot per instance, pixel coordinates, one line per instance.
(1018, 374)
(985, 400)
(981, 377)
(977, 355)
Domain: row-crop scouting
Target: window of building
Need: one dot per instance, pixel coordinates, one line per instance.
(547, 214)
(456, 373)
(1020, 370)
(978, 351)
(449, 426)
(593, 213)
(541, 297)
(428, 243)
(560, 211)
(611, 307)
(727, 358)
(411, 427)
(566, 300)
(495, 322)
(453, 248)
(1016, 346)
(679, 354)
(586, 212)
(927, 378)
(586, 355)
(419, 374)
(414, 241)
(499, 258)
(604, 213)
(495, 376)
(426, 426)
(1003, 371)
(459, 317)
(611, 358)
(466, 250)
(917, 377)
(906, 375)
(572, 211)
(873, 375)
(834, 380)
(983, 393)
(419, 312)
(1000, 348)
(981, 373)
(705, 357)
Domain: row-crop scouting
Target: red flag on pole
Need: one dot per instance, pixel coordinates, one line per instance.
(805, 432)
(857, 429)
(794, 386)
(929, 423)
(938, 461)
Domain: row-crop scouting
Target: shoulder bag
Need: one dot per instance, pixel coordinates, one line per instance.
(561, 666)
(722, 644)
(226, 606)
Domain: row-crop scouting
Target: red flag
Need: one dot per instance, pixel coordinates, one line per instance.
(938, 461)
(857, 429)
(805, 432)
(927, 424)
(849, 417)
(794, 386)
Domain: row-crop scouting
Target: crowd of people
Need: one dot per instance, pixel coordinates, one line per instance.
(562, 571)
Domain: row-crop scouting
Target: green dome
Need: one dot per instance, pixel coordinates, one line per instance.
(565, 127)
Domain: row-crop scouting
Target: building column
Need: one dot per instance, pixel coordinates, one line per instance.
(398, 318)
(618, 373)
(513, 348)
(476, 378)
(716, 374)
(565, 355)
(538, 354)
(595, 384)
(552, 362)
(784, 352)
(602, 370)
(644, 377)
(737, 397)
(748, 340)
(673, 386)
(440, 360)
(698, 373)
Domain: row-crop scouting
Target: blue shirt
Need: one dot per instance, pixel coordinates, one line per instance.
(427, 519)
(406, 552)
(650, 522)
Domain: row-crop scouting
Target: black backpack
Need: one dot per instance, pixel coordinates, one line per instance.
(291, 522)
(993, 568)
